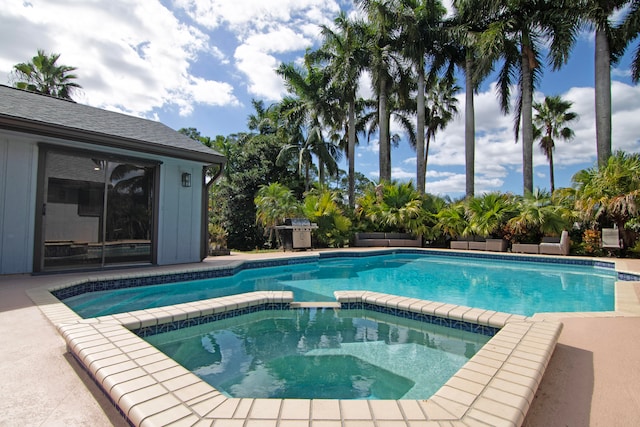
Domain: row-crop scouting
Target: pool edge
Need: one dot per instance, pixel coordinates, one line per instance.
(148, 388)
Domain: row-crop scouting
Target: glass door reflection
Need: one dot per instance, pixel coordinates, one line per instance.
(97, 211)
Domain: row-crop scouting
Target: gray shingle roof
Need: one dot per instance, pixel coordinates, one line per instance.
(34, 113)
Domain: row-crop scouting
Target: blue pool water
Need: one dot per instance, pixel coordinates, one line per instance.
(510, 286)
(321, 353)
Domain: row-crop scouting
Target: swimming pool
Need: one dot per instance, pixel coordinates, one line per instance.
(321, 353)
(510, 286)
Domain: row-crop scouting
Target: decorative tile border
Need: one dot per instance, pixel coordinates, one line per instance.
(424, 318)
(201, 320)
(89, 285)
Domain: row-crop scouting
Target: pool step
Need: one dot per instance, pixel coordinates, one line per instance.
(318, 304)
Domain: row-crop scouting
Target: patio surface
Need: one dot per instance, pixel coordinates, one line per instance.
(592, 378)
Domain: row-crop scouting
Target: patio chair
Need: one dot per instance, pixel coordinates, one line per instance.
(561, 248)
(611, 240)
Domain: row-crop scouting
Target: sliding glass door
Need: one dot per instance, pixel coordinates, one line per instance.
(96, 210)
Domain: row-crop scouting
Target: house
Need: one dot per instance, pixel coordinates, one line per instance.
(82, 187)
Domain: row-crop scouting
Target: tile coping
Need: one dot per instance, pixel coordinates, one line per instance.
(495, 387)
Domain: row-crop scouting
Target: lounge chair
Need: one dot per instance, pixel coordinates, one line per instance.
(561, 248)
(611, 241)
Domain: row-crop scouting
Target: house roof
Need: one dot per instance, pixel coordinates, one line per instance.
(34, 113)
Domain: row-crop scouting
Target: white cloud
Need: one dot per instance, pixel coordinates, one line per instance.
(131, 55)
(265, 31)
(259, 69)
(240, 14)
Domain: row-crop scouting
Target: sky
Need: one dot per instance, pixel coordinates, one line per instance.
(199, 63)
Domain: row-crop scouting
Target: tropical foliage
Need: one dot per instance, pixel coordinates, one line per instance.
(609, 195)
(324, 207)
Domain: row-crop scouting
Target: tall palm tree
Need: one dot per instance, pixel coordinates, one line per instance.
(550, 123)
(441, 107)
(384, 61)
(346, 56)
(517, 33)
(420, 32)
(630, 29)
(467, 23)
(264, 120)
(45, 76)
(306, 115)
(598, 13)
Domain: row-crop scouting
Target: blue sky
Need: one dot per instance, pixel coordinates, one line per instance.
(198, 63)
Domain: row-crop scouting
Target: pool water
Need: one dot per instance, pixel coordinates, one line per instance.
(514, 287)
(321, 353)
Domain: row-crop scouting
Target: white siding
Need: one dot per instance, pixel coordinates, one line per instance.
(18, 160)
(179, 219)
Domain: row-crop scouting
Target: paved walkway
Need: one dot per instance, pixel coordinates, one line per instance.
(592, 379)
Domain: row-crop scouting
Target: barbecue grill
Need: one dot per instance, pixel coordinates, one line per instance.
(296, 233)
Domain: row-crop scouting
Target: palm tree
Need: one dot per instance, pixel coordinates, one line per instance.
(537, 215)
(468, 22)
(346, 57)
(452, 220)
(550, 122)
(274, 203)
(488, 213)
(420, 29)
(392, 206)
(382, 46)
(43, 75)
(323, 207)
(630, 29)
(608, 50)
(305, 116)
(516, 34)
(441, 107)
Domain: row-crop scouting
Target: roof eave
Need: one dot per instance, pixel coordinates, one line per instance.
(17, 124)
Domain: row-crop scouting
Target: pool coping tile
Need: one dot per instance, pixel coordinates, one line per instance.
(144, 383)
(496, 386)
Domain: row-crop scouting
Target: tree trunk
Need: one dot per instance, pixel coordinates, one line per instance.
(603, 97)
(351, 143)
(551, 170)
(426, 152)
(469, 128)
(321, 177)
(384, 142)
(420, 166)
(527, 121)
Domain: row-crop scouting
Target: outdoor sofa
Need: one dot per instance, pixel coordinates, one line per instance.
(549, 246)
(387, 239)
(480, 244)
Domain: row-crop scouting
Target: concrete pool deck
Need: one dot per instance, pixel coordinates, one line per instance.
(591, 379)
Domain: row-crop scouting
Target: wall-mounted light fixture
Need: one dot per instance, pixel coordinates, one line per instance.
(186, 179)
